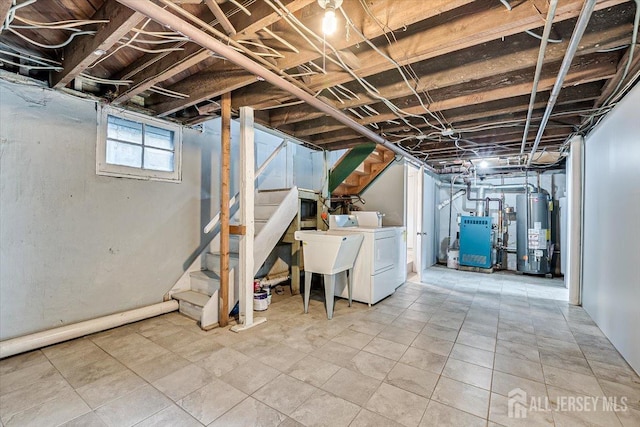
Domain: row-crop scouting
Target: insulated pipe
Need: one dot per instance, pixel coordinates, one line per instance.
(581, 26)
(198, 36)
(543, 47)
(447, 202)
(76, 330)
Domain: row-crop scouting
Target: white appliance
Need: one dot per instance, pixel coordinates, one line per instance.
(380, 266)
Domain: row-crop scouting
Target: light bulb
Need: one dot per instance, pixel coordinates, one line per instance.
(329, 22)
(483, 164)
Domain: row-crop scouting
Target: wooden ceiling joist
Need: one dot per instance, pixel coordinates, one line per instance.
(82, 52)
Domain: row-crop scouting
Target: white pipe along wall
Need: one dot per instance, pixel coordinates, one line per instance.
(54, 336)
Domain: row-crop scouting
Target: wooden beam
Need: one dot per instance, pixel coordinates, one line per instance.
(200, 87)
(491, 59)
(79, 54)
(584, 72)
(225, 178)
(221, 17)
(396, 16)
(151, 69)
(5, 5)
(462, 32)
(238, 230)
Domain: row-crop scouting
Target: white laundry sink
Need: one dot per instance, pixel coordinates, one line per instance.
(326, 253)
(330, 255)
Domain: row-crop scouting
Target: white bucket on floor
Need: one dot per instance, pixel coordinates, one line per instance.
(260, 301)
(452, 258)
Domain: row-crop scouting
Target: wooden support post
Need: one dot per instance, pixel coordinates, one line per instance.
(225, 172)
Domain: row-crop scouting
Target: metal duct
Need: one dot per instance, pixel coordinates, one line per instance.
(198, 36)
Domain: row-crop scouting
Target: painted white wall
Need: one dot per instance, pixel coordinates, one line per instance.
(610, 284)
(74, 245)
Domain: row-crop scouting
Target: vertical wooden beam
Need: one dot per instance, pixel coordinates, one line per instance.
(225, 177)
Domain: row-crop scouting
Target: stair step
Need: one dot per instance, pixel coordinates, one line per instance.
(271, 197)
(192, 297)
(259, 225)
(205, 281)
(264, 211)
(213, 261)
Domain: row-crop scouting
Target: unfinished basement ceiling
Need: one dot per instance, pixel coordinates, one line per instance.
(447, 80)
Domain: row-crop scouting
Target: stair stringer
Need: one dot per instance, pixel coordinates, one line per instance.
(275, 227)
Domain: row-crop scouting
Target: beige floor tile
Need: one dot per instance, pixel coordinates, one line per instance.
(412, 379)
(519, 367)
(27, 375)
(462, 396)
(367, 327)
(290, 422)
(398, 334)
(109, 388)
(629, 391)
(479, 329)
(155, 328)
(630, 417)
(408, 323)
(573, 364)
(397, 404)
(371, 365)
(172, 415)
(305, 341)
(519, 351)
(499, 413)
(352, 338)
(199, 349)
(159, 367)
(380, 317)
(472, 355)
(281, 357)
(65, 407)
(211, 401)
(619, 374)
(351, 386)
(133, 407)
(250, 413)
(517, 336)
(75, 346)
(284, 393)
(478, 341)
(90, 419)
(586, 418)
(504, 383)
(31, 395)
(580, 383)
(250, 377)
(180, 383)
(385, 348)
(86, 374)
(222, 361)
(438, 331)
(313, 371)
(432, 344)
(424, 360)
(468, 373)
(366, 418)
(325, 410)
(439, 415)
(25, 360)
(335, 353)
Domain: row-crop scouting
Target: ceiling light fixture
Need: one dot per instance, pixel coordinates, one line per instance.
(329, 22)
(483, 164)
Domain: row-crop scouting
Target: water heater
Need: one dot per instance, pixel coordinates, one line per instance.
(533, 222)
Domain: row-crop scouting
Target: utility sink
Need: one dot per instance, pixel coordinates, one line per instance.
(330, 255)
(326, 253)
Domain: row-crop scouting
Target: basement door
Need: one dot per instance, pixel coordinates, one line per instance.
(425, 235)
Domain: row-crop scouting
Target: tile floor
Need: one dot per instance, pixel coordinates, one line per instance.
(442, 353)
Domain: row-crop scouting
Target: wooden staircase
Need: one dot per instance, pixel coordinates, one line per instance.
(360, 177)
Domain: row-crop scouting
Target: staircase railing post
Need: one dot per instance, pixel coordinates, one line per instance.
(225, 178)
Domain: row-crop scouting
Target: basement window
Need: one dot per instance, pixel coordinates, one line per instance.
(131, 145)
